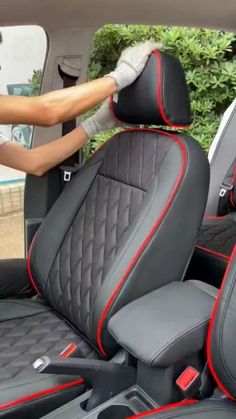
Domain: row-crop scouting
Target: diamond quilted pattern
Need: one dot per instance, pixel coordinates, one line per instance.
(25, 339)
(218, 235)
(86, 254)
(135, 160)
(90, 246)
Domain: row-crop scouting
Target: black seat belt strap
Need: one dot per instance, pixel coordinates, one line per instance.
(227, 198)
(70, 166)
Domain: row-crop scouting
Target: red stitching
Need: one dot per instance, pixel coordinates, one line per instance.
(148, 238)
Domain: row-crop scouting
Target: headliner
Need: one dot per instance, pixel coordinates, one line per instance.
(54, 14)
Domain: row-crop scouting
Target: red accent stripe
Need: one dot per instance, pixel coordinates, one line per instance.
(211, 327)
(150, 235)
(163, 408)
(40, 394)
(214, 217)
(29, 269)
(68, 351)
(159, 94)
(212, 252)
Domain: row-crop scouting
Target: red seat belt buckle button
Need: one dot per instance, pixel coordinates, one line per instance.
(189, 382)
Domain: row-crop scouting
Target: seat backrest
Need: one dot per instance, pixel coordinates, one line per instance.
(127, 223)
(221, 342)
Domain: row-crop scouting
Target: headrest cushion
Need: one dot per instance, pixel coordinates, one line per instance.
(159, 96)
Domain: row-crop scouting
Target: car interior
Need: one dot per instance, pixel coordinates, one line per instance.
(128, 309)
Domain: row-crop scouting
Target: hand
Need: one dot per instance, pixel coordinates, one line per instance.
(102, 120)
(131, 63)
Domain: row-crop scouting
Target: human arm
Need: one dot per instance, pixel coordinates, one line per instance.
(63, 105)
(57, 106)
(39, 160)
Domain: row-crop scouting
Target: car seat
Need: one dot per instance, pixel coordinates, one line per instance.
(126, 224)
(217, 235)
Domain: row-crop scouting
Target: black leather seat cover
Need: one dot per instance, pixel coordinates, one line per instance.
(221, 349)
(215, 244)
(108, 239)
(217, 235)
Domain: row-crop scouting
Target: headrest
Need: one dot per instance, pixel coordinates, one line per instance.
(158, 97)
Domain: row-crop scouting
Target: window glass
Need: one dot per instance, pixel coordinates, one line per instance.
(22, 55)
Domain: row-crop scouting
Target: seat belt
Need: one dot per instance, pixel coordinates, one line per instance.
(69, 71)
(227, 195)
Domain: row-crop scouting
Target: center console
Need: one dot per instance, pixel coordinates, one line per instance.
(162, 333)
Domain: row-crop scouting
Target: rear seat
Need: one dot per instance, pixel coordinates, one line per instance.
(217, 235)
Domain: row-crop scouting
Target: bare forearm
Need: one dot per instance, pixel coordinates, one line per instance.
(39, 160)
(74, 101)
(55, 107)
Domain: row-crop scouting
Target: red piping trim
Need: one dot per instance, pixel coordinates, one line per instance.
(40, 394)
(29, 269)
(159, 94)
(163, 408)
(68, 350)
(212, 252)
(211, 327)
(150, 235)
(214, 217)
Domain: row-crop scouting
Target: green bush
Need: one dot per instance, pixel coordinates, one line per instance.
(36, 81)
(207, 58)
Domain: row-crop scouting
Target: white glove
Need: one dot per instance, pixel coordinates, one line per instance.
(131, 63)
(102, 120)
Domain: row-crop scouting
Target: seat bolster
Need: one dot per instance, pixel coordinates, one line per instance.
(15, 309)
(59, 219)
(221, 335)
(207, 409)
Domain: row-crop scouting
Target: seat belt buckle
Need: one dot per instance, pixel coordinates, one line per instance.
(224, 188)
(189, 382)
(68, 171)
(67, 176)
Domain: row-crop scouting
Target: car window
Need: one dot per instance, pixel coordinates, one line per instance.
(22, 56)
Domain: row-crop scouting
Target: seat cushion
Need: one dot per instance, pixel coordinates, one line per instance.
(214, 246)
(30, 329)
(208, 409)
(217, 235)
